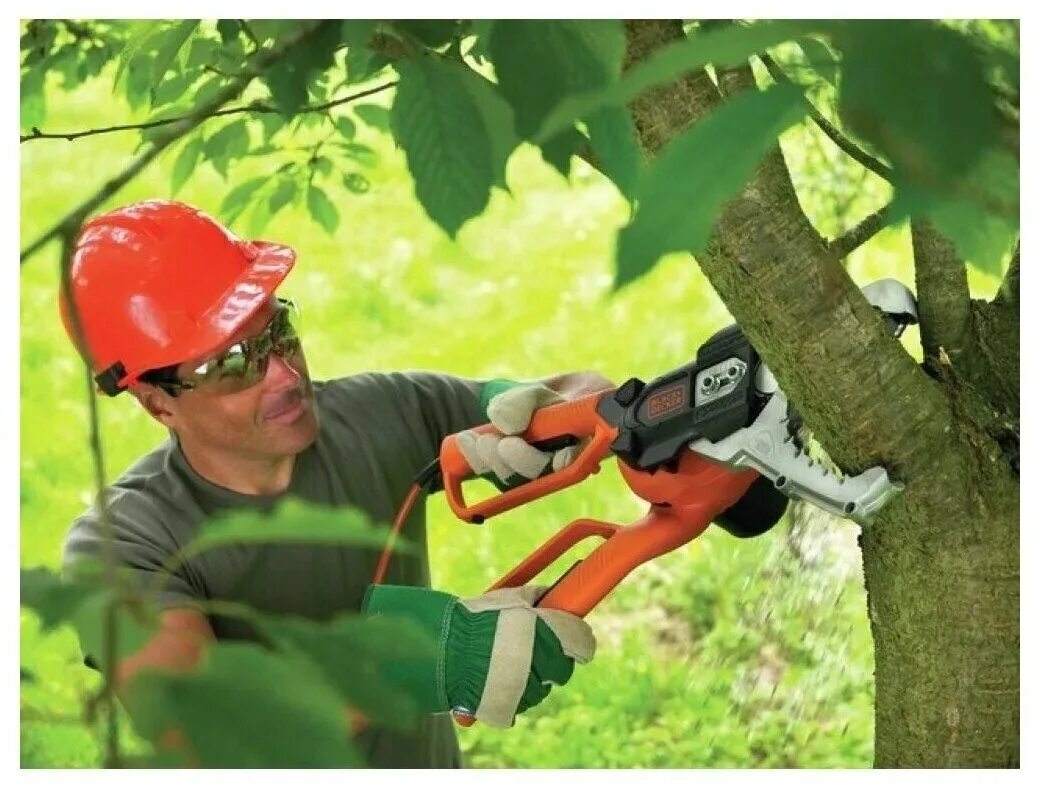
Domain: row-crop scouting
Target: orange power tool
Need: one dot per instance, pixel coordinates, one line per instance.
(649, 429)
(712, 441)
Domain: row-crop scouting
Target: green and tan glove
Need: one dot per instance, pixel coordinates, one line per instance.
(509, 406)
(497, 654)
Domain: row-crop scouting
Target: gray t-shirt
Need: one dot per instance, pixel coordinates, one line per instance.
(377, 431)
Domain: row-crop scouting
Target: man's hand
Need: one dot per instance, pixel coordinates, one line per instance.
(506, 454)
(496, 655)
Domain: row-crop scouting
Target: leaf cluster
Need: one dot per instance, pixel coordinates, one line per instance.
(283, 704)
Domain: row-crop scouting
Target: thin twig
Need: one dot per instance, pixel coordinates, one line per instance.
(866, 160)
(255, 107)
(74, 219)
(108, 543)
(850, 240)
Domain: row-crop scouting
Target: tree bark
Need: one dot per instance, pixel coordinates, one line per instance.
(941, 562)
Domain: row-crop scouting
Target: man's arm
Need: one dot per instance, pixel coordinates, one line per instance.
(178, 645)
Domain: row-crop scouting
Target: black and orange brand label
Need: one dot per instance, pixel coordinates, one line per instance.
(666, 401)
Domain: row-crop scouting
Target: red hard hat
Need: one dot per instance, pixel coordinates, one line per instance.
(158, 283)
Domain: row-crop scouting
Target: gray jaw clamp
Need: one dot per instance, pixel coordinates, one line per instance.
(768, 447)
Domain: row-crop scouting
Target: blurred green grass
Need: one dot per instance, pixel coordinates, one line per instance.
(725, 653)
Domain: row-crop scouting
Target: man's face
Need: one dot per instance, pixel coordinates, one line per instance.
(275, 417)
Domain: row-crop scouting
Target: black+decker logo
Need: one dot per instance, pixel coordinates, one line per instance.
(667, 401)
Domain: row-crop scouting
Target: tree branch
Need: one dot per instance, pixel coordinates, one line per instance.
(255, 107)
(943, 299)
(797, 305)
(866, 160)
(74, 219)
(851, 239)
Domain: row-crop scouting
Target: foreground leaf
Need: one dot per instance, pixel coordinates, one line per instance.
(244, 708)
(686, 186)
(451, 125)
(917, 91)
(322, 209)
(352, 654)
(728, 46)
(53, 599)
(294, 521)
(539, 62)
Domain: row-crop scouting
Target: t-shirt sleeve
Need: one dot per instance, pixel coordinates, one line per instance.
(142, 549)
(441, 404)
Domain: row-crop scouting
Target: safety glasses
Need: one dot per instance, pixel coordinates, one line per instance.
(244, 364)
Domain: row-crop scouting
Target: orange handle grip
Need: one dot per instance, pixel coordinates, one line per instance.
(575, 417)
(663, 529)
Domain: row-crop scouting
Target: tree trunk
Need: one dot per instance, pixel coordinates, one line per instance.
(941, 561)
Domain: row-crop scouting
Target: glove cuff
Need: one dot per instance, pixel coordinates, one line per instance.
(468, 657)
(492, 389)
(433, 612)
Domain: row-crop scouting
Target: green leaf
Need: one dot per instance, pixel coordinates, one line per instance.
(497, 119)
(259, 218)
(559, 150)
(346, 127)
(271, 123)
(686, 185)
(539, 62)
(239, 197)
(819, 58)
(322, 165)
(272, 29)
(202, 52)
(140, 34)
(981, 219)
(723, 47)
(982, 240)
(321, 209)
(82, 600)
(431, 32)
(169, 44)
(246, 708)
(916, 91)
(361, 153)
(228, 29)
(283, 194)
(355, 182)
(172, 89)
(361, 62)
(288, 78)
(53, 599)
(455, 133)
(352, 653)
(133, 627)
(374, 116)
(184, 165)
(227, 144)
(293, 521)
(613, 136)
(32, 99)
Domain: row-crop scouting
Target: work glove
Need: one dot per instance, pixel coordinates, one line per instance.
(497, 655)
(506, 455)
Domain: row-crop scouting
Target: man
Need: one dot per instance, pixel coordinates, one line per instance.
(180, 312)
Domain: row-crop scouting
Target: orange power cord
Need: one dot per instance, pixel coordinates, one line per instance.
(402, 516)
